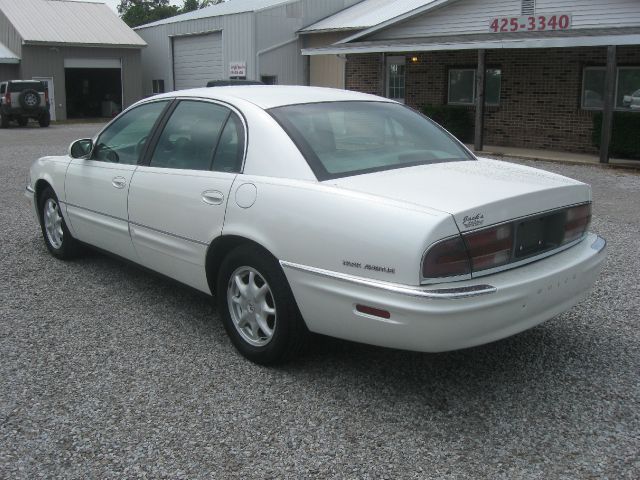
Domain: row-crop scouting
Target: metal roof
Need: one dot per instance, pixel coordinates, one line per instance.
(7, 56)
(229, 7)
(366, 14)
(68, 22)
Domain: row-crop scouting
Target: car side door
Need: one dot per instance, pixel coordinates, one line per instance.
(178, 196)
(96, 187)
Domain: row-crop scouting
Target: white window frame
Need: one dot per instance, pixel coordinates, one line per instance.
(397, 60)
(615, 106)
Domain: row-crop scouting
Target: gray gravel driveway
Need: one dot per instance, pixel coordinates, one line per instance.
(107, 371)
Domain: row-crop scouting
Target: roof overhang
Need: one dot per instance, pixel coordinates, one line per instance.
(83, 45)
(470, 43)
(7, 56)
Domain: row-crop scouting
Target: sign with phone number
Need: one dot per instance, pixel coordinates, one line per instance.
(532, 23)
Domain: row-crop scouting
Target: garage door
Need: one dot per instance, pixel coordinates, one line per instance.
(197, 59)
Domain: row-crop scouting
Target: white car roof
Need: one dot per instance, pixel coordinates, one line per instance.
(270, 96)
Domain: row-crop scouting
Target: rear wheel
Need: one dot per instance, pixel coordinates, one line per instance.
(45, 119)
(56, 235)
(257, 307)
(23, 121)
(4, 121)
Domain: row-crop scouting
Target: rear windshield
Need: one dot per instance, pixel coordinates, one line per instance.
(22, 86)
(341, 139)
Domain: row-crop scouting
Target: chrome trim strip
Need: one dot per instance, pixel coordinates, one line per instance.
(599, 244)
(30, 189)
(447, 293)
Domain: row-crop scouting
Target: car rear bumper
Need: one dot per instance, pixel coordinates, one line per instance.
(439, 318)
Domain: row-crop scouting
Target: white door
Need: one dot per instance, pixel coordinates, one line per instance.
(197, 59)
(96, 187)
(177, 203)
(52, 94)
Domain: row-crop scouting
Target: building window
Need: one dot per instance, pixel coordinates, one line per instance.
(158, 86)
(528, 7)
(396, 76)
(462, 86)
(269, 79)
(627, 88)
(628, 91)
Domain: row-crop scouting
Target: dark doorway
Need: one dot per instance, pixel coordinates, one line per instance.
(93, 92)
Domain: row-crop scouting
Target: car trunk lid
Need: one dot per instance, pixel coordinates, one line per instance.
(476, 193)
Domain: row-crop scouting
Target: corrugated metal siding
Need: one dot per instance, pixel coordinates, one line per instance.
(9, 36)
(40, 61)
(237, 45)
(472, 16)
(197, 59)
(286, 63)
(7, 56)
(68, 22)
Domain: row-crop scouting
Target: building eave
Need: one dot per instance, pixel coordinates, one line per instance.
(83, 45)
(422, 45)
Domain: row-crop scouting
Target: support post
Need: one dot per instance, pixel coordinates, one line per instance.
(478, 142)
(609, 104)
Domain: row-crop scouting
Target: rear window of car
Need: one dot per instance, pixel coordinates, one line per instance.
(22, 86)
(341, 139)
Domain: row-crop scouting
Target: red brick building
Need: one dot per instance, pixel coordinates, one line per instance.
(550, 65)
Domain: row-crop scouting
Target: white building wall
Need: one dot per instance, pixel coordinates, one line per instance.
(237, 45)
(473, 16)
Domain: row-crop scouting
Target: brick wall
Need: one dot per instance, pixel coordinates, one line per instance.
(539, 99)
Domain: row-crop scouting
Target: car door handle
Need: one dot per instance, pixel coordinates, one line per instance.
(119, 182)
(212, 197)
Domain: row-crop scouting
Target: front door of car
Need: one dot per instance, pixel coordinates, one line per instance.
(178, 197)
(96, 187)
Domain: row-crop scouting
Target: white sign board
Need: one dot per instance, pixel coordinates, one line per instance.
(237, 69)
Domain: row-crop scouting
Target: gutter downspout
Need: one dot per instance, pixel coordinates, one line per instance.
(270, 49)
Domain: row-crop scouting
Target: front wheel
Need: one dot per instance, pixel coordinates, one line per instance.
(56, 235)
(257, 307)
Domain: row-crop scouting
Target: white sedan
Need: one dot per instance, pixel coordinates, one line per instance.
(318, 210)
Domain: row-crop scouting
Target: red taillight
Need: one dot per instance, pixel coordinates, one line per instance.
(46, 95)
(7, 99)
(490, 248)
(577, 222)
(446, 259)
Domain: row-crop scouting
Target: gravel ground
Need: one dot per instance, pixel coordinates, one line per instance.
(107, 371)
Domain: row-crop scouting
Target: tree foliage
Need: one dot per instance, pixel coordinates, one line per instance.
(140, 12)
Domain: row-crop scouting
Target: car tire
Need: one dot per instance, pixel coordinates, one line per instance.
(45, 120)
(23, 122)
(4, 121)
(29, 99)
(56, 235)
(257, 307)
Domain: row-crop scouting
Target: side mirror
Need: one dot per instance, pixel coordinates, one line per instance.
(81, 148)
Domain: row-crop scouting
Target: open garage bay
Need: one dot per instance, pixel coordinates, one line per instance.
(107, 371)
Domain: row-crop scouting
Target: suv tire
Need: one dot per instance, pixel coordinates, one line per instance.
(45, 119)
(29, 99)
(4, 121)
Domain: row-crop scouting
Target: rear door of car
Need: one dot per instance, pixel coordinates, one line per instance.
(178, 196)
(96, 187)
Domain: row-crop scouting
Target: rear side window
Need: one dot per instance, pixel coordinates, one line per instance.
(22, 86)
(340, 139)
(3, 88)
(196, 133)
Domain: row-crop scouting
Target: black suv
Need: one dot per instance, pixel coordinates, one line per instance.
(21, 100)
